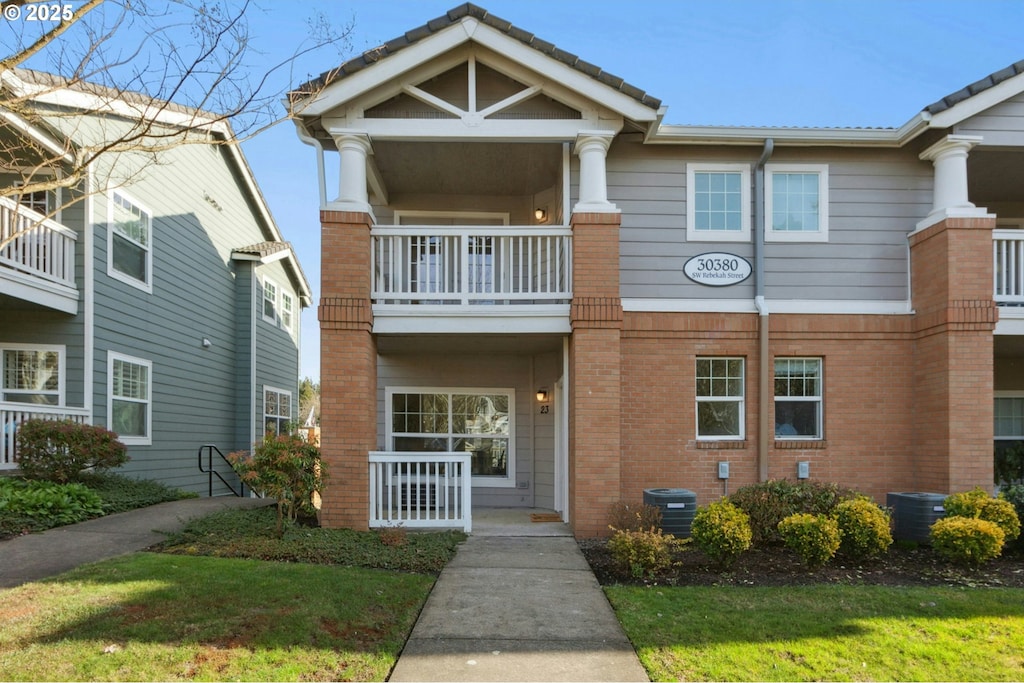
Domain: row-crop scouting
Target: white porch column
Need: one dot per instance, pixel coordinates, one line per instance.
(353, 147)
(592, 148)
(949, 156)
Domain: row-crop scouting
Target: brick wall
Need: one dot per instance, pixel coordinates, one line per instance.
(348, 369)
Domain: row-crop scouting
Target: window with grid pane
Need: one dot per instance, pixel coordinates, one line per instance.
(277, 410)
(720, 398)
(796, 202)
(269, 301)
(717, 202)
(798, 398)
(130, 399)
(475, 421)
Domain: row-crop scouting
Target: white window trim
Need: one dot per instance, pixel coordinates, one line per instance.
(272, 319)
(1006, 394)
(146, 286)
(284, 297)
(129, 440)
(697, 400)
(819, 235)
(291, 404)
(479, 481)
(820, 399)
(61, 366)
(694, 235)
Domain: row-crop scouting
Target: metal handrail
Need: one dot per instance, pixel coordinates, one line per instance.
(210, 471)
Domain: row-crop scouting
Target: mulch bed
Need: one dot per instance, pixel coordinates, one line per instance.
(901, 566)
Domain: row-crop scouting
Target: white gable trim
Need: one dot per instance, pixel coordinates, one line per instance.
(976, 104)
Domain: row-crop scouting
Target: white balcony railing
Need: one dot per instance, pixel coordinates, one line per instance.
(471, 265)
(13, 414)
(421, 490)
(45, 250)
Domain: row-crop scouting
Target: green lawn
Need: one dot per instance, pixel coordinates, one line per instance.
(827, 632)
(157, 617)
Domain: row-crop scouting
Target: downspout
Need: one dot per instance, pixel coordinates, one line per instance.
(764, 375)
(321, 174)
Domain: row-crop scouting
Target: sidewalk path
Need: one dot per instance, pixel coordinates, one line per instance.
(38, 556)
(517, 608)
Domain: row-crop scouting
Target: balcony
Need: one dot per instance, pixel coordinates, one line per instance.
(471, 279)
(13, 414)
(39, 264)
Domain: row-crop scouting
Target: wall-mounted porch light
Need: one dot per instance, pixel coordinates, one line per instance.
(542, 395)
(540, 214)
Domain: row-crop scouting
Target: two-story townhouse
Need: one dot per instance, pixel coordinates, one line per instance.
(159, 299)
(536, 293)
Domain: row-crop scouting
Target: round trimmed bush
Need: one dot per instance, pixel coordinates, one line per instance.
(60, 450)
(967, 540)
(980, 505)
(863, 529)
(815, 538)
(721, 531)
(641, 553)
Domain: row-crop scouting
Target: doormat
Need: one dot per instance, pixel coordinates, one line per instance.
(545, 517)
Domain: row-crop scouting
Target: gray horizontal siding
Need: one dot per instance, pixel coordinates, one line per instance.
(876, 197)
(1002, 124)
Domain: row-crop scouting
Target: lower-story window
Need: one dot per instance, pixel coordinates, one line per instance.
(129, 399)
(798, 398)
(1009, 435)
(475, 421)
(720, 398)
(277, 410)
(32, 374)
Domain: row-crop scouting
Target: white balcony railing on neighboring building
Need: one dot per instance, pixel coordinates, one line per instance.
(45, 250)
(13, 414)
(471, 265)
(421, 490)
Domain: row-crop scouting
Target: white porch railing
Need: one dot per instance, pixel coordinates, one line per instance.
(471, 265)
(421, 490)
(46, 250)
(13, 414)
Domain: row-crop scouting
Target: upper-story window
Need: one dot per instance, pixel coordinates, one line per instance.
(718, 202)
(130, 252)
(796, 202)
(269, 301)
(287, 310)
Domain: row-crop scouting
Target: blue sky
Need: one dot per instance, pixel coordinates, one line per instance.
(861, 63)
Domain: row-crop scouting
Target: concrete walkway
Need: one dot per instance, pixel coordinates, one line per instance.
(517, 603)
(38, 556)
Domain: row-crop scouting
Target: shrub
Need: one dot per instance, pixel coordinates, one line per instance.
(815, 538)
(625, 517)
(51, 503)
(393, 536)
(284, 467)
(863, 529)
(979, 505)
(770, 502)
(60, 450)
(721, 531)
(642, 553)
(967, 540)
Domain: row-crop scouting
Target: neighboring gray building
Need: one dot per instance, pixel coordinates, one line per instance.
(163, 304)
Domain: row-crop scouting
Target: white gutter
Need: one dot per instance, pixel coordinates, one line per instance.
(321, 175)
(88, 296)
(765, 392)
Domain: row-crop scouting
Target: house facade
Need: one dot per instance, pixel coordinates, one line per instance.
(158, 299)
(536, 293)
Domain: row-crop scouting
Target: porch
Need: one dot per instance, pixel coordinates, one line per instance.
(13, 414)
(37, 265)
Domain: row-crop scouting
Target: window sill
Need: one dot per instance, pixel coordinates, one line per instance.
(722, 445)
(800, 444)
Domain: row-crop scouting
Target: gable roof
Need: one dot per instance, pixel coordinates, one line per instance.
(979, 86)
(92, 98)
(452, 17)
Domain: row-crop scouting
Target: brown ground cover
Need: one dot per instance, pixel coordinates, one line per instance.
(776, 566)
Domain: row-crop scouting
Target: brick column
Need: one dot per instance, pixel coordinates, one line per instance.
(348, 368)
(595, 385)
(954, 318)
